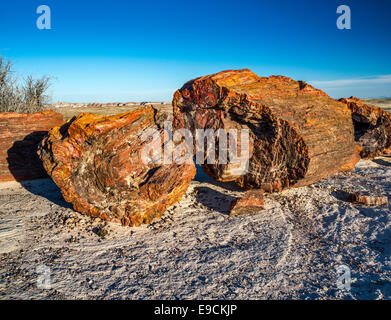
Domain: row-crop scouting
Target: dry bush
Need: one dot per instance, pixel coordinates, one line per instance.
(28, 97)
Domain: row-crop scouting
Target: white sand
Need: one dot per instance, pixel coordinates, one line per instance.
(289, 250)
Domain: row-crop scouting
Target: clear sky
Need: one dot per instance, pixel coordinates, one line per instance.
(145, 50)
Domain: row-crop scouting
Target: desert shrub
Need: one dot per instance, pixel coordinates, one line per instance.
(28, 97)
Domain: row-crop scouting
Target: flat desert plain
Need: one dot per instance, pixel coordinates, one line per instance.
(290, 250)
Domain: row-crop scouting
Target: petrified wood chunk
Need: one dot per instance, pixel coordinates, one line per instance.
(251, 203)
(298, 134)
(20, 134)
(97, 163)
(368, 199)
(372, 127)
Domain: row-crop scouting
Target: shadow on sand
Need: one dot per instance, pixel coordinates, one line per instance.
(202, 177)
(46, 188)
(341, 195)
(23, 160)
(26, 168)
(382, 162)
(213, 199)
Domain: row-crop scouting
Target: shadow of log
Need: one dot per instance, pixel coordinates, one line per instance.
(202, 177)
(382, 162)
(46, 188)
(341, 195)
(23, 160)
(25, 166)
(214, 200)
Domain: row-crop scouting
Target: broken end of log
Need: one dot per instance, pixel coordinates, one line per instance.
(372, 127)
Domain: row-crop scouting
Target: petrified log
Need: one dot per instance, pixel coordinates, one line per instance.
(251, 203)
(298, 134)
(372, 127)
(97, 162)
(20, 134)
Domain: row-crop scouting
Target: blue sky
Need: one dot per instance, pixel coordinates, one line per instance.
(145, 50)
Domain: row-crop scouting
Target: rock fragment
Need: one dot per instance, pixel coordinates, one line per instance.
(368, 199)
(251, 203)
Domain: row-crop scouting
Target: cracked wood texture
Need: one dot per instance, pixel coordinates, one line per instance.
(20, 134)
(298, 134)
(96, 161)
(372, 127)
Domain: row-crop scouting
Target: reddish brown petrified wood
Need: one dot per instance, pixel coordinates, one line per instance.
(368, 199)
(298, 134)
(97, 163)
(372, 127)
(20, 134)
(251, 203)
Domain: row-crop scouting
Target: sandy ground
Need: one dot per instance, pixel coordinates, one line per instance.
(289, 250)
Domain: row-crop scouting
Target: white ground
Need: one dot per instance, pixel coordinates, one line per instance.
(290, 250)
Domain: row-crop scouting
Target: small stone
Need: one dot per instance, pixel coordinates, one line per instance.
(100, 231)
(251, 203)
(368, 199)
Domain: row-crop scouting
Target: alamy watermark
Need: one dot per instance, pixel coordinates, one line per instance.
(44, 21)
(43, 280)
(178, 147)
(344, 277)
(344, 21)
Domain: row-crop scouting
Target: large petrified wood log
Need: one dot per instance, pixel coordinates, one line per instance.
(20, 134)
(298, 134)
(372, 127)
(97, 162)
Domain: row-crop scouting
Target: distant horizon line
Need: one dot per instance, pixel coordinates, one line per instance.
(112, 102)
(168, 102)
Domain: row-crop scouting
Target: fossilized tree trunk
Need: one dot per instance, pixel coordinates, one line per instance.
(97, 162)
(298, 134)
(372, 127)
